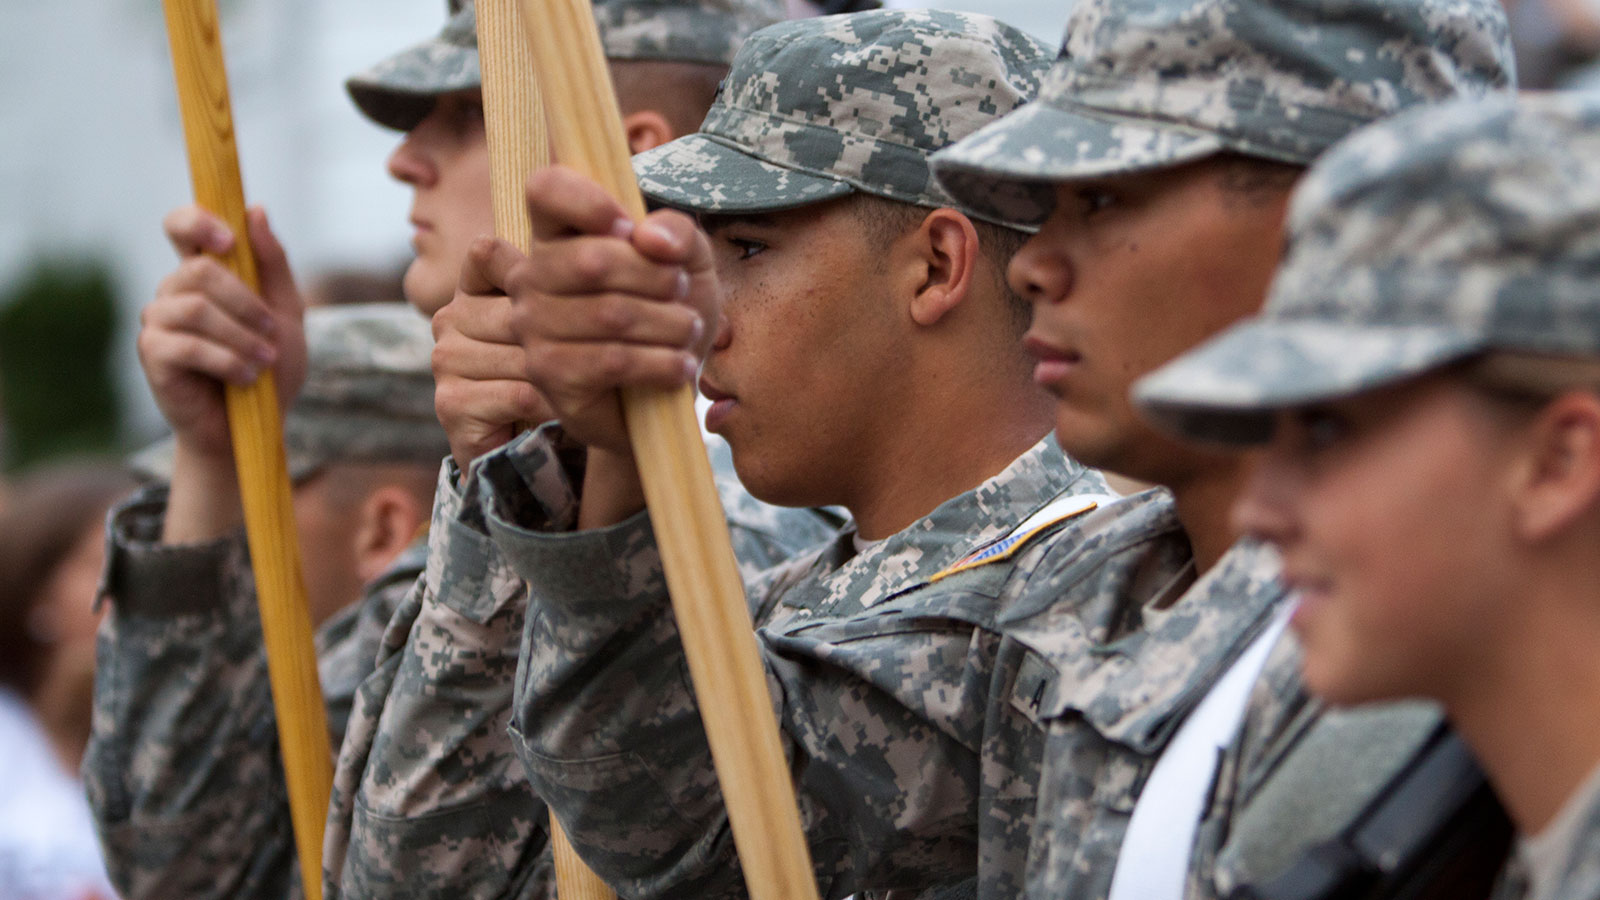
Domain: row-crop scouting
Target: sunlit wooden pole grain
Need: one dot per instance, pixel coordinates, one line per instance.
(514, 121)
(707, 594)
(253, 417)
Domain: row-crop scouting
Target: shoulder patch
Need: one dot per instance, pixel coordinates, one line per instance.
(1053, 513)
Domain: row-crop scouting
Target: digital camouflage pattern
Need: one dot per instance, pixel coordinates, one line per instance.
(820, 108)
(707, 31)
(1296, 774)
(1116, 680)
(914, 749)
(399, 91)
(1424, 240)
(181, 769)
(428, 800)
(368, 394)
(1143, 84)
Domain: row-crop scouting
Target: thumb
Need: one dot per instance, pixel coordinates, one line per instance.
(272, 265)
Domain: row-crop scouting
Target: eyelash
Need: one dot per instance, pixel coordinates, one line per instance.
(747, 248)
(1094, 200)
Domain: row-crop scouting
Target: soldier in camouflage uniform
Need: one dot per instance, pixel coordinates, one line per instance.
(428, 800)
(1158, 162)
(1426, 379)
(866, 354)
(182, 702)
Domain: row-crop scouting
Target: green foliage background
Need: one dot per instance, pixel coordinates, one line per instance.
(57, 394)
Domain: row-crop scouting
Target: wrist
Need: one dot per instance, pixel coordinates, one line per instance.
(612, 491)
(203, 503)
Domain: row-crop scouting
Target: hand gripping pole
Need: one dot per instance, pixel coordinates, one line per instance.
(254, 419)
(702, 574)
(514, 121)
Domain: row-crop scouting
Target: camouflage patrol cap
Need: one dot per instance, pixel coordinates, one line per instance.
(399, 91)
(1144, 84)
(820, 108)
(1421, 242)
(368, 395)
(709, 31)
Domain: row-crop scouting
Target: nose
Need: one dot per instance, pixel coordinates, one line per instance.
(1040, 272)
(1266, 507)
(724, 334)
(409, 164)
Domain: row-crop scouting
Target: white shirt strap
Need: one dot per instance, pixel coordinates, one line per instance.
(1154, 861)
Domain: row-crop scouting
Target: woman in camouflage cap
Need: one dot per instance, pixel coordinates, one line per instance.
(1426, 381)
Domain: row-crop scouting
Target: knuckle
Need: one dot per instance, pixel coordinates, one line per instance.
(612, 362)
(613, 314)
(589, 262)
(522, 279)
(536, 367)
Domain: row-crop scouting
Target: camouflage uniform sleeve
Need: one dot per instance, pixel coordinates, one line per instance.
(182, 769)
(435, 800)
(606, 721)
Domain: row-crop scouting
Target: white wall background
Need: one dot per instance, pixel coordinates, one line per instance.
(91, 148)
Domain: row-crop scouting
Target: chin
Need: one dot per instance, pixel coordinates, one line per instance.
(424, 291)
(766, 485)
(1348, 679)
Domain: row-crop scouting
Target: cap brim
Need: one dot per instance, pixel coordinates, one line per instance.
(1006, 170)
(702, 174)
(399, 91)
(1228, 389)
(154, 463)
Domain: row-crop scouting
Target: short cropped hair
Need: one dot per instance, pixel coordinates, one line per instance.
(681, 91)
(886, 220)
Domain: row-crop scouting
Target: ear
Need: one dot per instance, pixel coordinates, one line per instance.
(646, 129)
(947, 246)
(1559, 479)
(388, 521)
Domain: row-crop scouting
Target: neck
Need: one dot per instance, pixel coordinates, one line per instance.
(1525, 711)
(936, 458)
(1204, 501)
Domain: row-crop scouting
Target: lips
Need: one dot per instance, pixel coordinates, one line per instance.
(722, 404)
(1055, 363)
(1310, 595)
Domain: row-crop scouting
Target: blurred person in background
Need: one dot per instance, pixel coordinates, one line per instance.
(50, 562)
(346, 286)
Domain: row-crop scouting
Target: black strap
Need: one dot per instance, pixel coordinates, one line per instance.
(1435, 831)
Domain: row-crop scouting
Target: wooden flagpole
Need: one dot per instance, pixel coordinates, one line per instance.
(254, 419)
(519, 144)
(702, 574)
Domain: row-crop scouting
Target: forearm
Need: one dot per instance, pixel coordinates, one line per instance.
(203, 503)
(181, 768)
